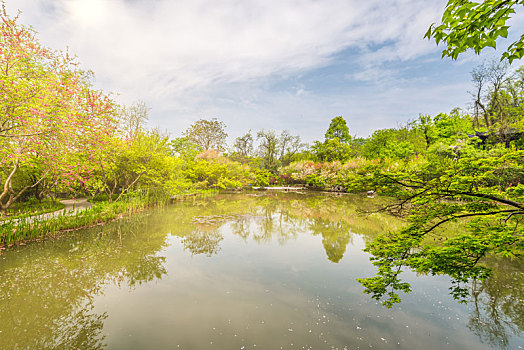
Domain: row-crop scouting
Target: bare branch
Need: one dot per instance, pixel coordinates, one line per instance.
(514, 213)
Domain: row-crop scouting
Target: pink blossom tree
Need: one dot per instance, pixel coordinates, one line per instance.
(52, 122)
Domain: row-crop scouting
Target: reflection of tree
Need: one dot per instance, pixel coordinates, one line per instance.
(147, 269)
(498, 309)
(266, 226)
(335, 237)
(498, 312)
(273, 222)
(82, 329)
(49, 289)
(201, 241)
(241, 227)
(267, 217)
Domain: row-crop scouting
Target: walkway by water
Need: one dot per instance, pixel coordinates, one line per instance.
(72, 206)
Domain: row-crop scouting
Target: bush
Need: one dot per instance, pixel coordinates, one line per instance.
(356, 175)
(211, 170)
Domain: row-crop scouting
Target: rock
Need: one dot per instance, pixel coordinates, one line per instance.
(339, 188)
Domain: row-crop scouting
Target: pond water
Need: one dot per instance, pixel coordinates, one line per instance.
(265, 271)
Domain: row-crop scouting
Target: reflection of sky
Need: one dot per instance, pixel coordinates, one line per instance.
(275, 287)
(263, 64)
(148, 283)
(276, 295)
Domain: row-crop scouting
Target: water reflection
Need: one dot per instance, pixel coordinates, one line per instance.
(49, 291)
(203, 241)
(498, 312)
(264, 218)
(335, 237)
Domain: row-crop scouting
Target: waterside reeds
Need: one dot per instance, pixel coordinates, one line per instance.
(41, 227)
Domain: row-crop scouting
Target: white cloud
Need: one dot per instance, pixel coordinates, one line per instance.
(192, 59)
(160, 48)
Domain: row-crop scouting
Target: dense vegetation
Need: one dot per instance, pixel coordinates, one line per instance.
(60, 137)
(476, 25)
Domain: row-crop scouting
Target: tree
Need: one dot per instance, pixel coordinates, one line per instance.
(268, 148)
(388, 143)
(244, 145)
(141, 162)
(182, 147)
(338, 129)
(476, 25)
(481, 189)
(336, 142)
(288, 145)
(133, 119)
(479, 77)
(331, 150)
(53, 124)
(335, 236)
(512, 96)
(208, 134)
(497, 77)
(424, 124)
(498, 101)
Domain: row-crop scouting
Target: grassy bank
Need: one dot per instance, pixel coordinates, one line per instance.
(32, 208)
(35, 228)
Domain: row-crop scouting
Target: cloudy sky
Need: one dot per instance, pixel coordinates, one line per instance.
(261, 64)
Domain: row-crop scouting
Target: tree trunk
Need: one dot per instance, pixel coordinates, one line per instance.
(8, 192)
(128, 187)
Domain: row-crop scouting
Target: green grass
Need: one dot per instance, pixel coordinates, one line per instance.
(102, 197)
(23, 229)
(32, 208)
(29, 227)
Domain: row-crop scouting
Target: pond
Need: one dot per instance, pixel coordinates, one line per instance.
(243, 271)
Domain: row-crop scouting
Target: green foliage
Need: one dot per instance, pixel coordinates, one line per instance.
(53, 123)
(449, 128)
(183, 147)
(268, 149)
(336, 144)
(31, 228)
(498, 104)
(338, 129)
(262, 177)
(143, 162)
(32, 206)
(480, 188)
(356, 175)
(387, 143)
(315, 181)
(211, 170)
(243, 147)
(457, 182)
(207, 134)
(416, 138)
(288, 146)
(476, 25)
(331, 150)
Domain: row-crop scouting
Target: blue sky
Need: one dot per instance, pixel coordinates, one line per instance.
(262, 64)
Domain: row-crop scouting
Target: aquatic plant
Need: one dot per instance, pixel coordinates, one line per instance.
(41, 227)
